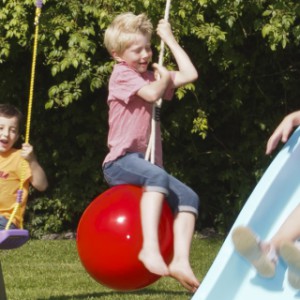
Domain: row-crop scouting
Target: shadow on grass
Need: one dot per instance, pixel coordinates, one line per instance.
(118, 295)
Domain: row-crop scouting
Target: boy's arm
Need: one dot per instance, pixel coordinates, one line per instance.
(283, 131)
(156, 89)
(39, 179)
(187, 72)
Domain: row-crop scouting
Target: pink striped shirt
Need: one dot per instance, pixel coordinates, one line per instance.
(129, 115)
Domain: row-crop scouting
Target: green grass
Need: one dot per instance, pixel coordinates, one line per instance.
(44, 269)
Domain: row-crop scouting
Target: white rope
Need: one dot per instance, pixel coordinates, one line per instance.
(150, 152)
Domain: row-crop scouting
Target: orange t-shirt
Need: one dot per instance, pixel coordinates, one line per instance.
(12, 168)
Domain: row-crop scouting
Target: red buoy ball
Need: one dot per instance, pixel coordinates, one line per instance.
(109, 239)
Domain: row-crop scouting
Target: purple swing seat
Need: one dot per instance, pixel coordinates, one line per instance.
(13, 238)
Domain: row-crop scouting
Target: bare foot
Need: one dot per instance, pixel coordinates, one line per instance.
(185, 275)
(154, 262)
(291, 255)
(256, 252)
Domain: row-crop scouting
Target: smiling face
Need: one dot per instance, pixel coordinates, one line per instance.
(138, 54)
(9, 133)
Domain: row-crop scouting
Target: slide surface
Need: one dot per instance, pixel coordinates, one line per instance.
(277, 193)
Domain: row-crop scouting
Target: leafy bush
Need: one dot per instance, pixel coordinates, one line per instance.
(214, 131)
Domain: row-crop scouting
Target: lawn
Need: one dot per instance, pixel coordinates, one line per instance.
(51, 269)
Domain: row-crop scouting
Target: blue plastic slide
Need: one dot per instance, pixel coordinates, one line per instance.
(277, 193)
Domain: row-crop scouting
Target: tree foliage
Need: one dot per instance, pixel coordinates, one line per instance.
(215, 131)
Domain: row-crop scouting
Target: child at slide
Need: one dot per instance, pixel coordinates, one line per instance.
(10, 167)
(133, 90)
(263, 255)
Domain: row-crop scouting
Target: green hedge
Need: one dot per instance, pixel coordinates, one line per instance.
(247, 55)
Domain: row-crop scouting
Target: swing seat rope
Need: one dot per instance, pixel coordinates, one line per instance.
(14, 238)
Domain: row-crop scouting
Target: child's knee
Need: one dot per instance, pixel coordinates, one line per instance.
(158, 178)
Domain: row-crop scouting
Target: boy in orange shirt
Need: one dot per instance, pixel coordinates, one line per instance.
(11, 171)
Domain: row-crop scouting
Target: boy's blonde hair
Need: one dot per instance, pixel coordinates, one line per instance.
(121, 32)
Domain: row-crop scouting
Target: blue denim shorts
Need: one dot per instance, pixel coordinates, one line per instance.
(3, 222)
(133, 169)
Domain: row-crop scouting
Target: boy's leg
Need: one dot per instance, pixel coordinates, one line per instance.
(2, 286)
(180, 268)
(150, 256)
(185, 203)
(263, 258)
(3, 222)
(289, 231)
(134, 169)
(291, 255)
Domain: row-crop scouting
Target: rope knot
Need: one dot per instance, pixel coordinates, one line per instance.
(157, 111)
